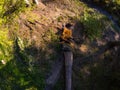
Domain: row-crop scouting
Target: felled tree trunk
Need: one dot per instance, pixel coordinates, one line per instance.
(68, 69)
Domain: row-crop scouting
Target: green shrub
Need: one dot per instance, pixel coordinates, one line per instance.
(5, 46)
(11, 9)
(93, 24)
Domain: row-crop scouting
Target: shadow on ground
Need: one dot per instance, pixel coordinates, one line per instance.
(28, 68)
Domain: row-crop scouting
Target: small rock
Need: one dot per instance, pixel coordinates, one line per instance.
(3, 62)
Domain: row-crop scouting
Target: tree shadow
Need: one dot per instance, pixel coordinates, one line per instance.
(27, 69)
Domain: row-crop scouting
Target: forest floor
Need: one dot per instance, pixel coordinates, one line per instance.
(40, 27)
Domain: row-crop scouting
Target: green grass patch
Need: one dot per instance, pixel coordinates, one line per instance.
(93, 23)
(5, 47)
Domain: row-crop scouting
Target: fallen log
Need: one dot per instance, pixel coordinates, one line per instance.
(68, 69)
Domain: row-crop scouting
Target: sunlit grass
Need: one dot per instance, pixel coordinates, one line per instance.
(5, 47)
